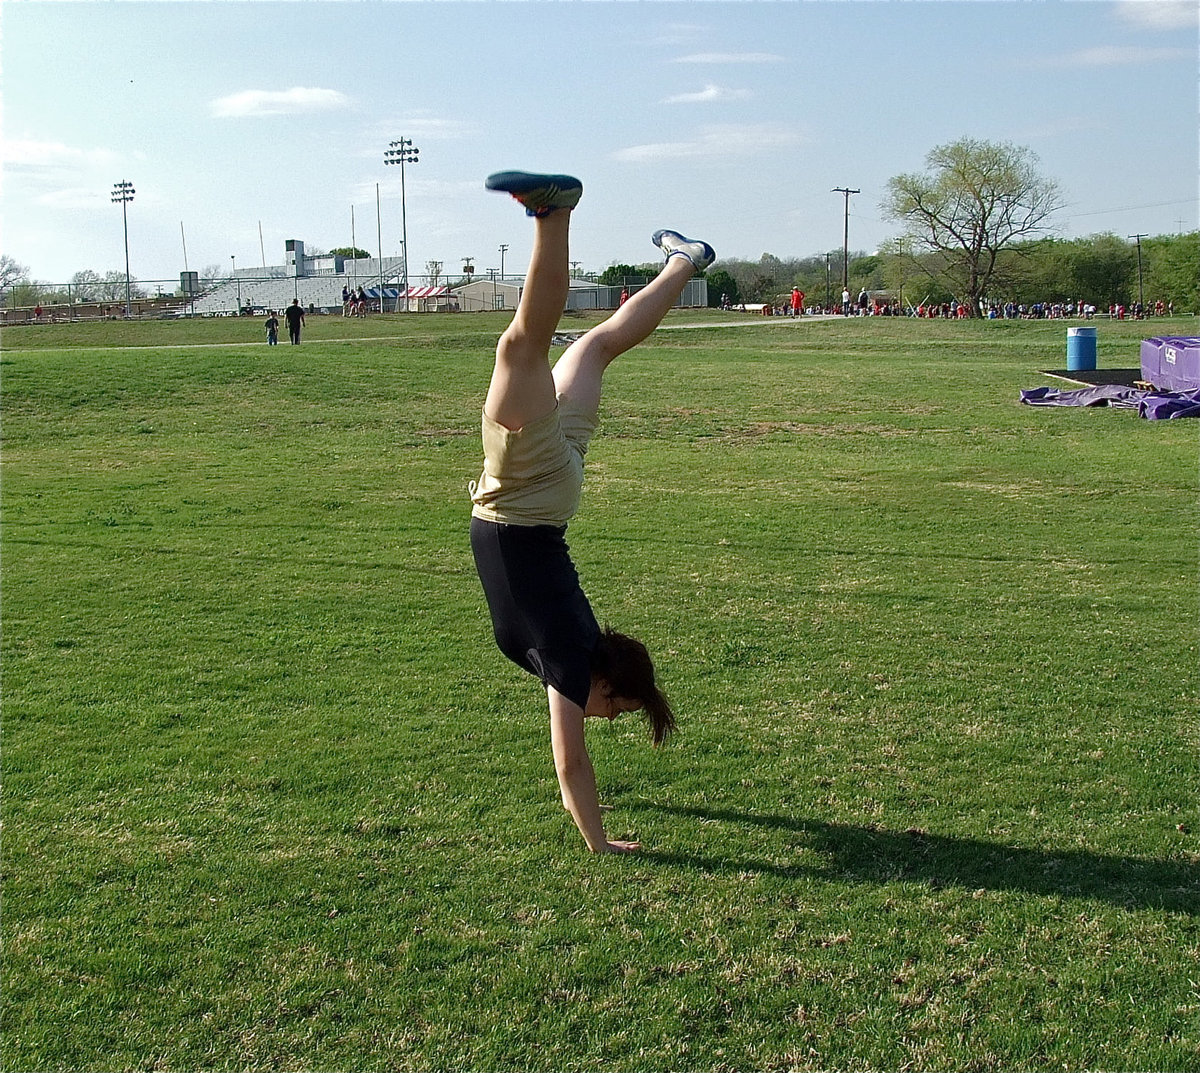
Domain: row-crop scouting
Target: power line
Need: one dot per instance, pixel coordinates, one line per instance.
(1135, 208)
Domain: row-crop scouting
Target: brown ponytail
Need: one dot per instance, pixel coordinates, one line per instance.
(624, 663)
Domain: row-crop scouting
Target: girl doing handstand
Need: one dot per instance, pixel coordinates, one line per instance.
(537, 422)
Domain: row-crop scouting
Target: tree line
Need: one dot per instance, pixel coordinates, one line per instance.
(1101, 270)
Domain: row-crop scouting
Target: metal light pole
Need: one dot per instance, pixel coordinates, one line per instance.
(503, 251)
(403, 152)
(845, 236)
(123, 192)
(379, 241)
(828, 296)
(233, 261)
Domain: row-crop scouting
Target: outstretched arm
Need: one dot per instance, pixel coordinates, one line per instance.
(576, 777)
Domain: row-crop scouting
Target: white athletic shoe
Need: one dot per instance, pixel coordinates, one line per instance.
(672, 242)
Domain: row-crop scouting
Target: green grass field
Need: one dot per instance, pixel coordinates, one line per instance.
(273, 801)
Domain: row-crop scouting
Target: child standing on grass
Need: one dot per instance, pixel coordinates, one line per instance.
(272, 329)
(537, 422)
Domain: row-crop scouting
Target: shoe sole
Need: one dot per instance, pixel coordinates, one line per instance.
(554, 191)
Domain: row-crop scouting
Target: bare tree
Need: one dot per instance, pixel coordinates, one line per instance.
(86, 285)
(10, 273)
(111, 287)
(976, 199)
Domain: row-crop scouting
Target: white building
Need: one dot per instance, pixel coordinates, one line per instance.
(483, 294)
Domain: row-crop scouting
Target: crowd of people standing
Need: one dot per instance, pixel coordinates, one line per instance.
(354, 303)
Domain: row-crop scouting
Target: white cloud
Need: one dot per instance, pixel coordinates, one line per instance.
(28, 154)
(1124, 55)
(1159, 14)
(728, 140)
(263, 102)
(425, 125)
(418, 190)
(730, 57)
(77, 197)
(711, 93)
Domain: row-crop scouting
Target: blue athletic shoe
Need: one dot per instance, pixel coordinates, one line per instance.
(672, 242)
(540, 194)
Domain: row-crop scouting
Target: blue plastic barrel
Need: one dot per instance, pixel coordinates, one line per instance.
(1081, 348)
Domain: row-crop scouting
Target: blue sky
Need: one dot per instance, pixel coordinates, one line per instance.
(729, 121)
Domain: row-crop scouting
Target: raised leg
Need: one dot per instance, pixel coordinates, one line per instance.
(522, 388)
(580, 370)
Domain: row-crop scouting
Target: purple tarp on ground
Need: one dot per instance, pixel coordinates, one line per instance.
(1171, 362)
(1100, 395)
(1163, 404)
(1152, 405)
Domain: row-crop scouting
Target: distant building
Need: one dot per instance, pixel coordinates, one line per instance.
(317, 281)
(483, 294)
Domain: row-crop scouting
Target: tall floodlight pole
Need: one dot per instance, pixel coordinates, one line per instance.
(828, 297)
(403, 152)
(123, 192)
(237, 280)
(379, 241)
(503, 250)
(1141, 295)
(845, 236)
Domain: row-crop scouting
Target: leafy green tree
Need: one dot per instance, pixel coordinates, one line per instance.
(1104, 269)
(25, 292)
(866, 273)
(617, 275)
(975, 200)
(722, 284)
(1038, 271)
(761, 288)
(350, 252)
(1171, 271)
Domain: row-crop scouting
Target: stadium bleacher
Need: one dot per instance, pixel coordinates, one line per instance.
(322, 291)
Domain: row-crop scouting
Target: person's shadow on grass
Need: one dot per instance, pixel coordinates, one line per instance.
(865, 854)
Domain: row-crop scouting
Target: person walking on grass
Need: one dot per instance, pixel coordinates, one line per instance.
(294, 315)
(537, 422)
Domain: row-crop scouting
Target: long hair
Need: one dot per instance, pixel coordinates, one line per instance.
(625, 665)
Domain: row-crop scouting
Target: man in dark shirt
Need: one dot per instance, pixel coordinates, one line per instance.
(295, 318)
